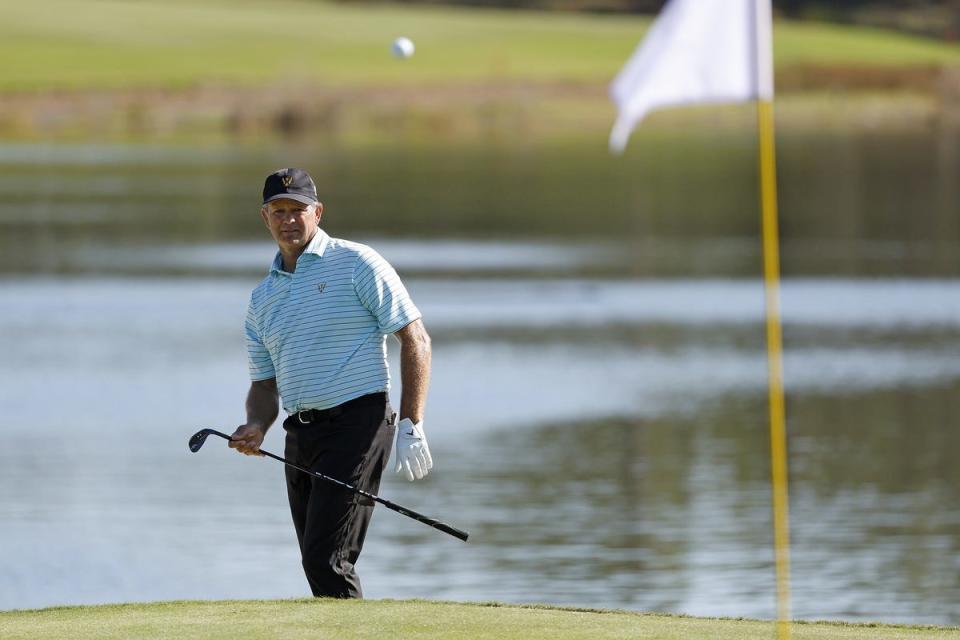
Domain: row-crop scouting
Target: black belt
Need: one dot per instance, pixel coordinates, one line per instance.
(318, 415)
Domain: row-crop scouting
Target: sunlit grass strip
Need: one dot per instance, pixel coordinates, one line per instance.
(82, 44)
(419, 619)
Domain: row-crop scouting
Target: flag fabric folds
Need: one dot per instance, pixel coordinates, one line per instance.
(696, 51)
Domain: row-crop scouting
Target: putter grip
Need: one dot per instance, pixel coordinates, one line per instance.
(427, 520)
(456, 533)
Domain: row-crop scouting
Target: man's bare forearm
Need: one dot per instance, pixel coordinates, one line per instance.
(415, 354)
(262, 403)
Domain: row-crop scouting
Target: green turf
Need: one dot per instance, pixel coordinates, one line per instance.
(148, 43)
(423, 620)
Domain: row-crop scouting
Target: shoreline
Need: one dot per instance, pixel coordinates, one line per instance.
(450, 111)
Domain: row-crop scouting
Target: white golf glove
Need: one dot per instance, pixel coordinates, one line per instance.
(413, 454)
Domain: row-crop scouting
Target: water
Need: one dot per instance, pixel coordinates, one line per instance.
(597, 416)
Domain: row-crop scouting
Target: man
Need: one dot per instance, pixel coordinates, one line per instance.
(316, 338)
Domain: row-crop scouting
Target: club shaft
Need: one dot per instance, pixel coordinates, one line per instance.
(410, 513)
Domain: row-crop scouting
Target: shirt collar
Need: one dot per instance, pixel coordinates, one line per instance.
(317, 245)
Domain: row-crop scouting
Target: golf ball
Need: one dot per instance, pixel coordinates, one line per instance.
(402, 48)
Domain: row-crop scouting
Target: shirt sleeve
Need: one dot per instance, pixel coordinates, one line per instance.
(379, 288)
(258, 358)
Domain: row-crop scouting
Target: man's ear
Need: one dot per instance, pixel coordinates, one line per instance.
(265, 215)
(319, 206)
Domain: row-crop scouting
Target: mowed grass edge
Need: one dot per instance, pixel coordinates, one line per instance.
(111, 44)
(419, 619)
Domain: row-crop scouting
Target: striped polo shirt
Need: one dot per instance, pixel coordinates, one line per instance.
(322, 330)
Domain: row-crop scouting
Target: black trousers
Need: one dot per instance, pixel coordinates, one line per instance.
(350, 442)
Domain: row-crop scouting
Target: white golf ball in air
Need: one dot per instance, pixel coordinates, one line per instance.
(402, 48)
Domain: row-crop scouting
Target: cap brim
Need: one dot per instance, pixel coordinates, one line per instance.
(292, 196)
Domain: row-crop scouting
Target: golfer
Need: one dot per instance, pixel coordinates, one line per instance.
(316, 340)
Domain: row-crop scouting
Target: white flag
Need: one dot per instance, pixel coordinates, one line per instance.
(696, 51)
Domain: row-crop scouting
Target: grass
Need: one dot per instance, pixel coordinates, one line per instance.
(223, 69)
(83, 44)
(423, 620)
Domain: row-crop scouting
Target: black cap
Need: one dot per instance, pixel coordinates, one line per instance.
(295, 184)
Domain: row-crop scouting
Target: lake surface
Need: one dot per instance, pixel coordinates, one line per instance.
(598, 411)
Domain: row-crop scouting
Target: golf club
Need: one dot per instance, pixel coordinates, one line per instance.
(197, 440)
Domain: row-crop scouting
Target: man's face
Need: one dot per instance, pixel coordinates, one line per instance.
(291, 223)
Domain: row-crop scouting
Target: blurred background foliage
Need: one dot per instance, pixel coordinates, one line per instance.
(934, 18)
(183, 70)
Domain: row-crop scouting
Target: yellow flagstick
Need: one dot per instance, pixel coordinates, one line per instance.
(778, 428)
(641, 86)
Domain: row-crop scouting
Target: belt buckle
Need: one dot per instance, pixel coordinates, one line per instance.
(300, 416)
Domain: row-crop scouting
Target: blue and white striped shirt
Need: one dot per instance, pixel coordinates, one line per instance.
(321, 331)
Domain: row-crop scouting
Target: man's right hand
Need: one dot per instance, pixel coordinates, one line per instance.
(247, 439)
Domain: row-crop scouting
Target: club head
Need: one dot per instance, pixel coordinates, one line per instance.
(197, 439)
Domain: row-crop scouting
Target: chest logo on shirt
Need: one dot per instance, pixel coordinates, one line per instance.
(321, 287)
